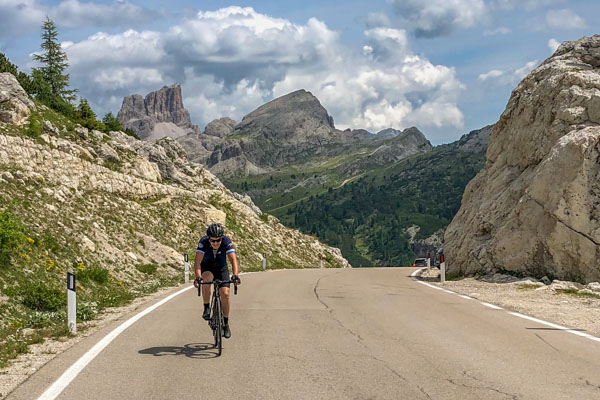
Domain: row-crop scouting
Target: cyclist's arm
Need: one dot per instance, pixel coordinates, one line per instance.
(197, 262)
(234, 263)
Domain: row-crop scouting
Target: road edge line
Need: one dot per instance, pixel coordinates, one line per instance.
(516, 314)
(71, 373)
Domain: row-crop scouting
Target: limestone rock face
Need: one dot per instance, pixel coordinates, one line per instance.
(159, 114)
(535, 207)
(476, 141)
(220, 127)
(15, 104)
(286, 131)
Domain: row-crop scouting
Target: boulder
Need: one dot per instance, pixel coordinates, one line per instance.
(15, 104)
(534, 209)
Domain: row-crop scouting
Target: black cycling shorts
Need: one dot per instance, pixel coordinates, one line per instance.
(218, 273)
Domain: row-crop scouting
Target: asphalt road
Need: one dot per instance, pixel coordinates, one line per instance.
(332, 334)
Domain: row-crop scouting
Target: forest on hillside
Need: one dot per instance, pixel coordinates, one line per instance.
(368, 218)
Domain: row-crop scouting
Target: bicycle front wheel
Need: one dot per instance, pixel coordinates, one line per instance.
(218, 331)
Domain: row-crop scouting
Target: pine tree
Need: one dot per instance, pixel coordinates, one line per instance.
(111, 122)
(87, 116)
(54, 61)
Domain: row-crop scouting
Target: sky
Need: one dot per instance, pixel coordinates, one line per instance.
(444, 66)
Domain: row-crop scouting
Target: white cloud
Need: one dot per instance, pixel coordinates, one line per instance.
(553, 44)
(508, 77)
(526, 4)
(232, 60)
(377, 19)
(498, 31)
(72, 13)
(564, 19)
(22, 16)
(19, 16)
(435, 18)
(495, 73)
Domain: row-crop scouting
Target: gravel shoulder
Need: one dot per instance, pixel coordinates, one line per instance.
(564, 303)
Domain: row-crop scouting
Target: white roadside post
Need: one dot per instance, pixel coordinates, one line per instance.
(71, 303)
(321, 261)
(187, 268)
(428, 264)
(264, 261)
(442, 268)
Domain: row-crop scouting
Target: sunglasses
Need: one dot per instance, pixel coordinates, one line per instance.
(214, 240)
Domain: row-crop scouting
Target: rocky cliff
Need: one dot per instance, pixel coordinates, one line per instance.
(159, 114)
(534, 208)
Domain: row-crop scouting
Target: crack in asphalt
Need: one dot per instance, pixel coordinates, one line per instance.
(485, 385)
(330, 310)
(360, 340)
(588, 383)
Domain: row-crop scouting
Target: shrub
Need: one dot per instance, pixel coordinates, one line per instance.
(37, 296)
(148, 269)
(87, 312)
(34, 129)
(11, 236)
(93, 273)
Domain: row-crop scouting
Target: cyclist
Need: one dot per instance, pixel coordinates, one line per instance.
(211, 263)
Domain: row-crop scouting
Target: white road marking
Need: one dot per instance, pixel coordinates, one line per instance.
(556, 326)
(491, 306)
(562, 328)
(65, 379)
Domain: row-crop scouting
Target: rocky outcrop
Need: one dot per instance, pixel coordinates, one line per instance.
(535, 208)
(159, 114)
(388, 133)
(476, 141)
(220, 127)
(15, 104)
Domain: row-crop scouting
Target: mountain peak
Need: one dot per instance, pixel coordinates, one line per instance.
(161, 113)
(289, 111)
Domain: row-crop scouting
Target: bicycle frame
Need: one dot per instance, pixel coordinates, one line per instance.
(216, 318)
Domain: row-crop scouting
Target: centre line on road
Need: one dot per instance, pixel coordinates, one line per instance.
(65, 379)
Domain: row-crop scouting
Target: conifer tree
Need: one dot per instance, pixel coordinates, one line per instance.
(111, 122)
(54, 62)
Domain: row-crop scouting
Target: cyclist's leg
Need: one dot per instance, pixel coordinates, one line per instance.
(223, 274)
(225, 300)
(207, 276)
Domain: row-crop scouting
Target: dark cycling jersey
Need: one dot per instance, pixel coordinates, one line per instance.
(215, 263)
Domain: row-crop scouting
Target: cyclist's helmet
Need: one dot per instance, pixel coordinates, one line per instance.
(215, 230)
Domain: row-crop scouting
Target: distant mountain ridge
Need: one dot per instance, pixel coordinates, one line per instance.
(288, 156)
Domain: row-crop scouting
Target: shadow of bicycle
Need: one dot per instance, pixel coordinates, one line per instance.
(191, 350)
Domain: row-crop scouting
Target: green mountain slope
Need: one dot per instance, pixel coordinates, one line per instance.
(369, 218)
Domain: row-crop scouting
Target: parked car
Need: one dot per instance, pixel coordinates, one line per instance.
(420, 262)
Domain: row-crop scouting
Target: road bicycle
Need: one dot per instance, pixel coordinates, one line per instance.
(215, 321)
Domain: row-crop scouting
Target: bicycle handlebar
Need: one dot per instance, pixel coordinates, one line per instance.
(217, 282)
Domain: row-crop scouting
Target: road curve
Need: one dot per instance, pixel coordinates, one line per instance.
(332, 334)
